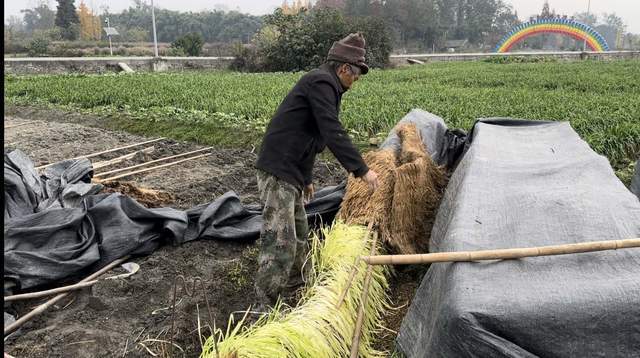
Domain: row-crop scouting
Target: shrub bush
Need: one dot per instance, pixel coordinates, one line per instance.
(38, 46)
(190, 43)
(301, 42)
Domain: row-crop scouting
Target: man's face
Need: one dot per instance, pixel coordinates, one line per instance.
(348, 74)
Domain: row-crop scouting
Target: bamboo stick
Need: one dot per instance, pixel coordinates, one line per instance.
(106, 151)
(106, 163)
(502, 254)
(357, 332)
(353, 272)
(43, 307)
(19, 124)
(150, 162)
(153, 168)
(74, 287)
(26, 296)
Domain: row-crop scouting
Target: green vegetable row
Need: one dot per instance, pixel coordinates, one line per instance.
(600, 99)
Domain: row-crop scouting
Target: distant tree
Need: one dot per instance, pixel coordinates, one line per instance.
(136, 34)
(334, 4)
(38, 46)
(609, 25)
(38, 18)
(97, 28)
(632, 41)
(504, 22)
(14, 35)
(362, 7)
(612, 28)
(214, 26)
(90, 25)
(614, 21)
(14, 24)
(67, 19)
(377, 36)
(190, 43)
(300, 42)
(588, 19)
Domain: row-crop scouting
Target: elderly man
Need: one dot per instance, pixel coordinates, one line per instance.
(305, 123)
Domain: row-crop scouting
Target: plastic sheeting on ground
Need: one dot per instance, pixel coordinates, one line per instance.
(524, 184)
(444, 145)
(635, 181)
(56, 227)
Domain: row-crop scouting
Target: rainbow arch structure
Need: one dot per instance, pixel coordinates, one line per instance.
(575, 29)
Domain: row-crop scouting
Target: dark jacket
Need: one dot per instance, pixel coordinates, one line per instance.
(306, 121)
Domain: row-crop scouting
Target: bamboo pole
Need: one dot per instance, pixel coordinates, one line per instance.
(106, 163)
(26, 296)
(74, 287)
(150, 162)
(357, 331)
(153, 168)
(106, 151)
(353, 272)
(43, 307)
(19, 124)
(502, 254)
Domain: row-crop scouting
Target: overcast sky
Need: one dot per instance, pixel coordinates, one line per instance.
(629, 10)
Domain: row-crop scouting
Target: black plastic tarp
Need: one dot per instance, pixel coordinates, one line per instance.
(525, 184)
(57, 227)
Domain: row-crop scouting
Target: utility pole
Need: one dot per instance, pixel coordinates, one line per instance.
(109, 36)
(584, 44)
(155, 39)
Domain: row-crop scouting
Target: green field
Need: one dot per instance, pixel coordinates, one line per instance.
(600, 99)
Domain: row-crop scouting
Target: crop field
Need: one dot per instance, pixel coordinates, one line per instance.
(55, 117)
(600, 99)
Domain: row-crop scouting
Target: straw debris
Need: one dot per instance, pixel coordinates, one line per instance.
(410, 189)
(150, 198)
(359, 205)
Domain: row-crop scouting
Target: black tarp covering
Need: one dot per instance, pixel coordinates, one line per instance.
(524, 184)
(56, 227)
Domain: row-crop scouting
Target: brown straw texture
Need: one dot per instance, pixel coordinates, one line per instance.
(418, 189)
(409, 192)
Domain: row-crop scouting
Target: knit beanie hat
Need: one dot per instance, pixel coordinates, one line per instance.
(350, 50)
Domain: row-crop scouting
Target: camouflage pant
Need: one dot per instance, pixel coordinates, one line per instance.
(283, 238)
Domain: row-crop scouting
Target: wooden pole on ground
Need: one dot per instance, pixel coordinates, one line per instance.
(502, 254)
(106, 151)
(19, 124)
(43, 307)
(106, 163)
(357, 331)
(149, 162)
(74, 287)
(26, 296)
(152, 168)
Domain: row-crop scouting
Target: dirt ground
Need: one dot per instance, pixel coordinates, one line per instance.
(132, 317)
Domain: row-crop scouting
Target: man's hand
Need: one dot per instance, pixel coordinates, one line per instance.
(308, 193)
(371, 178)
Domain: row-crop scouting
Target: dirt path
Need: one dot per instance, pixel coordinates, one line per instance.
(131, 318)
